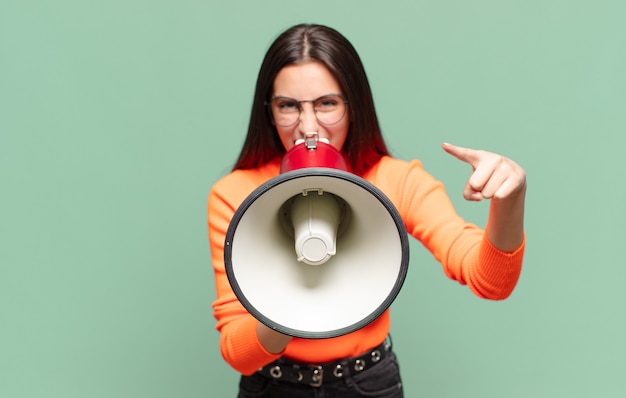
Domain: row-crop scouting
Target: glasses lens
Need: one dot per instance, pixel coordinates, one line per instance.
(330, 109)
(286, 111)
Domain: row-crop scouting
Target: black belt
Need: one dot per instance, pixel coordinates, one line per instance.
(300, 373)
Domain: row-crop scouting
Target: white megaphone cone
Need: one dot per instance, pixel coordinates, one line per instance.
(345, 233)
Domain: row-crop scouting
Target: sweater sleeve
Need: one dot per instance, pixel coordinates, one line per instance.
(239, 344)
(462, 248)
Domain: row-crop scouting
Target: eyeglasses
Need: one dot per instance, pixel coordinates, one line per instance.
(329, 109)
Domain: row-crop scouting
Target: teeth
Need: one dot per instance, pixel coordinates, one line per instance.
(301, 141)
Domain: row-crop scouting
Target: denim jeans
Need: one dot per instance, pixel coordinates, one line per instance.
(382, 380)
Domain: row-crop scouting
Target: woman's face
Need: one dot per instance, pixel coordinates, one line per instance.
(307, 82)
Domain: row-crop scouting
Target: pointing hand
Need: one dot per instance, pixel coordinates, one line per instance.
(493, 175)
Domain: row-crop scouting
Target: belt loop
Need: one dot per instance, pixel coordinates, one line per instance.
(347, 373)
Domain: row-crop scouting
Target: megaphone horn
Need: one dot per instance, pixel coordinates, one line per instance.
(310, 235)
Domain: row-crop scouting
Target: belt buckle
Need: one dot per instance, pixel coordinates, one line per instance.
(318, 375)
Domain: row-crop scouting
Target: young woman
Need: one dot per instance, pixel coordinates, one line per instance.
(312, 80)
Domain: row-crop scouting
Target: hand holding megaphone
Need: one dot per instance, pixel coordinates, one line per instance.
(274, 342)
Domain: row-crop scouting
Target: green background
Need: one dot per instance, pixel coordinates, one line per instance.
(116, 117)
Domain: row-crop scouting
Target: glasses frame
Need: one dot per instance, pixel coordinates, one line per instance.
(300, 102)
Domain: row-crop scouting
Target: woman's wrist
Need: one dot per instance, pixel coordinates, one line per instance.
(274, 342)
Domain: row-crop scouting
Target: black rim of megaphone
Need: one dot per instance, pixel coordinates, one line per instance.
(323, 172)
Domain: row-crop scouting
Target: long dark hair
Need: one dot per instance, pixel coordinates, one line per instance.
(364, 145)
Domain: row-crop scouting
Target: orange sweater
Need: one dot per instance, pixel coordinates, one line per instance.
(462, 248)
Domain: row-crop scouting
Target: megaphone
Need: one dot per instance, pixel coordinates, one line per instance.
(316, 252)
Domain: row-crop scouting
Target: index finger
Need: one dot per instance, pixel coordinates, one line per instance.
(466, 155)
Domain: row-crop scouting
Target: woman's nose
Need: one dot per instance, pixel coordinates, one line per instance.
(308, 120)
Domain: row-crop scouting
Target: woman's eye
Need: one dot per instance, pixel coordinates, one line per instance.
(326, 103)
(288, 106)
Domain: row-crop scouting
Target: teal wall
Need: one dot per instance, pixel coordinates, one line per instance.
(117, 116)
